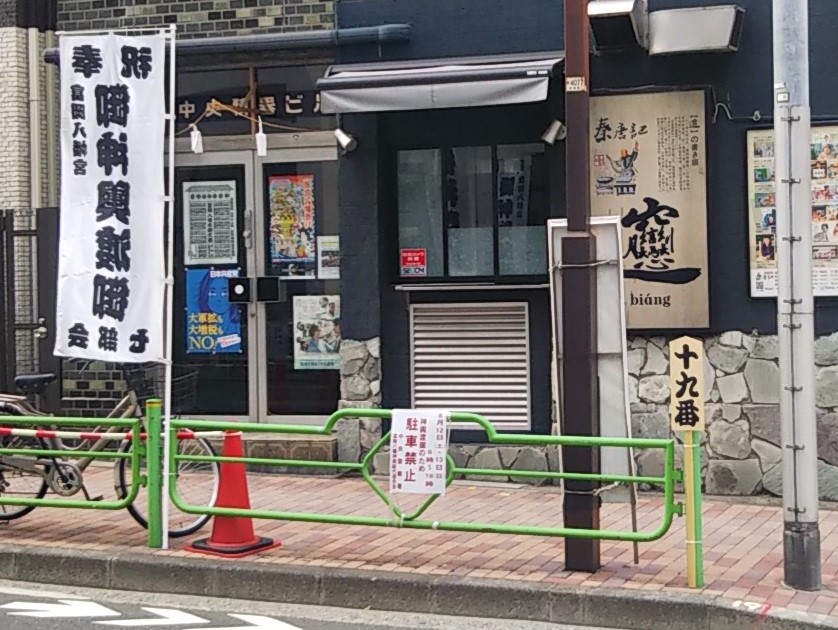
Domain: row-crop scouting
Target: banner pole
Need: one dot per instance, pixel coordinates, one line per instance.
(170, 264)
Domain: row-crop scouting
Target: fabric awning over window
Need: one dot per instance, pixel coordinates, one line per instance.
(437, 83)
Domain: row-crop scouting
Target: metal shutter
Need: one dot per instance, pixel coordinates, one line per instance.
(472, 357)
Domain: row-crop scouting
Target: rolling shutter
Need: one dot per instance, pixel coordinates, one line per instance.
(472, 357)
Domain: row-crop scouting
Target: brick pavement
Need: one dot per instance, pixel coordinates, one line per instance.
(743, 541)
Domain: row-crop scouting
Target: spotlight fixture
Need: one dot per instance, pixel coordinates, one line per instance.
(197, 140)
(261, 141)
(556, 131)
(346, 141)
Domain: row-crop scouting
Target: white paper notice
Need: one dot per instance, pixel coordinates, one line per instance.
(418, 451)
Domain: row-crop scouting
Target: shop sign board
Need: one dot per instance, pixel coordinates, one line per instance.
(649, 168)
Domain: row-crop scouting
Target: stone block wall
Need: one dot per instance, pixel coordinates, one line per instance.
(199, 18)
(741, 447)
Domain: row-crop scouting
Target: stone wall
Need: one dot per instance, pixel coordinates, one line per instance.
(741, 451)
(360, 388)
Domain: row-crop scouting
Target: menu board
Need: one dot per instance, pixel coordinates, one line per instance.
(763, 212)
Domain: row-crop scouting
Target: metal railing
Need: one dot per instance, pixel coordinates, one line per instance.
(412, 519)
(52, 455)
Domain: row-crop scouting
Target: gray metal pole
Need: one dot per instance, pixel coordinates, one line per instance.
(795, 302)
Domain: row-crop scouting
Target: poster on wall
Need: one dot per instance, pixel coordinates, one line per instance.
(328, 257)
(111, 277)
(213, 324)
(762, 212)
(317, 332)
(649, 168)
(210, 233)
(291, 199)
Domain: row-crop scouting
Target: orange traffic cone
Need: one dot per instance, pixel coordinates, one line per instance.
(232, 536)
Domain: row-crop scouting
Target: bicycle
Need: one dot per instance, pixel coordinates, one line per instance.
(66, 478)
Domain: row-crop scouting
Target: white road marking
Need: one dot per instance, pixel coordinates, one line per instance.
(66, 608)
(258, 622)
(165, 617)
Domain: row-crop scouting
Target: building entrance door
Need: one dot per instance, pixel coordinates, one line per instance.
(274, 221)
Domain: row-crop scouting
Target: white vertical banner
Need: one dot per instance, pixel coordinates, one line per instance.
(111, 277)
(418, 451)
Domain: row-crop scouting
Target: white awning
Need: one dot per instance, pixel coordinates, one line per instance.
(437, 83)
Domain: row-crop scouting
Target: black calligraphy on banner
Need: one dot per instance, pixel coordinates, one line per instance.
(651, 245)
(105, 131)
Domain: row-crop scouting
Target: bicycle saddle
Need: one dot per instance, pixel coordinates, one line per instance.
(34, 383)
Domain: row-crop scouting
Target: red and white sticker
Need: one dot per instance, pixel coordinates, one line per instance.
(414, 263)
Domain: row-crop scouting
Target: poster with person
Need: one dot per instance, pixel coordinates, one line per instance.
(292, 238)
(317, 332)
(763, 213)
(213, 324)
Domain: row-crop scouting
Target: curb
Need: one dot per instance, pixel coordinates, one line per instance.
(402, 592)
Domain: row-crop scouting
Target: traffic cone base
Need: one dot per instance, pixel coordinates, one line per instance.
(225, 550)
(232, 536)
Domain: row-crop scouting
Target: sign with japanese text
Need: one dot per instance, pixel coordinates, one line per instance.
(413, 263)
(649, 168)
(210, 233)
(111, 277)
(418, 451)
(762, 212)
(686, 384)
(213, 324)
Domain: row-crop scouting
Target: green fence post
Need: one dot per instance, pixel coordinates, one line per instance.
(154, 471)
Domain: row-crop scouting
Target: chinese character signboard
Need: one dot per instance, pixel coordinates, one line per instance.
(686, 384)
(210, 233)
(762, 212)
(418, 451)
(648, 167)
(291, 200)
(413, 263)
(213, 324)
(317, 332)
(111, 280)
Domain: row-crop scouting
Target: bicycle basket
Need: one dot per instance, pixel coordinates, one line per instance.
(149, 381)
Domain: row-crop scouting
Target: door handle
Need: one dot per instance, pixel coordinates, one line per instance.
(247, 233)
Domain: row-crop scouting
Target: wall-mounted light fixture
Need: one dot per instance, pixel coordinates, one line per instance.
(196, 139)
(556, 131)
(346, 141)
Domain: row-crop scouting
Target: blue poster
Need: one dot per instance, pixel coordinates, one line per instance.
(213, 325)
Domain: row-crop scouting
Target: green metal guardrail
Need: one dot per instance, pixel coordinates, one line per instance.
(411, 520)
(44, 458)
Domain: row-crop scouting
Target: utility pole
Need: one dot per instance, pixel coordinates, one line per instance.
(795, 301)
(580, 399)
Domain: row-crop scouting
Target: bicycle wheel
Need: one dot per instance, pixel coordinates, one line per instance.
(16, 482)
(197, 484)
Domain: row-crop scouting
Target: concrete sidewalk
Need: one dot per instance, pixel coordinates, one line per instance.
(457, 573)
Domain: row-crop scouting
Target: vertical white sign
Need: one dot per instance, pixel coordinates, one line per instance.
(418, 451)
(111, 277)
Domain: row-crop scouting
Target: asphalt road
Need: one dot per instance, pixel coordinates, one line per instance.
(25, 606)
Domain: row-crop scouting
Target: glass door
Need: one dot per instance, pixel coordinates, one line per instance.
(298, 240)
(214, 338)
